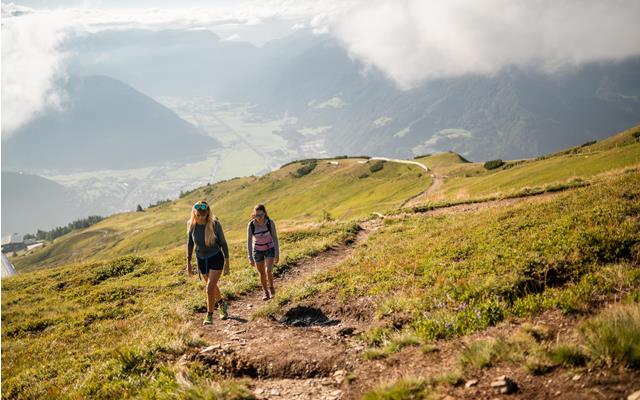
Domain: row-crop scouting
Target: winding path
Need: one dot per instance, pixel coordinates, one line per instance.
(402, 162)
(308, 353)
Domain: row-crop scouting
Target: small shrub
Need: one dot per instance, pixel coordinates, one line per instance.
(452, 378)
(374, 354)
(326, 216)
(35, 326)
(493, 164)
(491, 312)
(589, 143)
(613, 337)
(132, 362)
(567, 355)
(363, 176)
(118, 267)
(537, 365)
(376, 336)
(375, 167)
(306, 169)
(478, 354)
(538, 332)
(402, 389)
(636, 134)
(428, 348)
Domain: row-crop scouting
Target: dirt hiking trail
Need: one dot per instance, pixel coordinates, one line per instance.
(313, 352)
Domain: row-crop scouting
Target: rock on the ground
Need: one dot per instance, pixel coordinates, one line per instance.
(505, 384)
(470, 383)
(634, 396)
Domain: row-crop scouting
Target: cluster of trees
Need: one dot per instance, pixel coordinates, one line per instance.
(61, 230)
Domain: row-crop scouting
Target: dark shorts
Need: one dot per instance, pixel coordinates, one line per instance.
(214, 262)
(260, 255)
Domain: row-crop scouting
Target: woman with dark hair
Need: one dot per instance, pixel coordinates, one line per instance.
(262, 247)
(212, 252)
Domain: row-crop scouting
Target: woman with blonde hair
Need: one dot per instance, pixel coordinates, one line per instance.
(212, 253)
(262, 247)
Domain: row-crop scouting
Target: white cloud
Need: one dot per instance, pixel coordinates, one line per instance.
(402, 132)
(298, 27)
(409, 40)
(334, 102)
(416, 40)
(382, 121)
(31, 65)
(442, 140)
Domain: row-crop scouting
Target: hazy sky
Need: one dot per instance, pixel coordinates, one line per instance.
(409, 40)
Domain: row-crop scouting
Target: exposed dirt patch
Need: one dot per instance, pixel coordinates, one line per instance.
(438, 181)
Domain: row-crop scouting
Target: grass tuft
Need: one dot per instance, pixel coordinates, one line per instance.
(404, 389)
(613, 337)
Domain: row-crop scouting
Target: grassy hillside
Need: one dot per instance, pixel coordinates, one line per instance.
(113, 329)
(444, 275)
(114, 318)
(346, 191)
(472, 180)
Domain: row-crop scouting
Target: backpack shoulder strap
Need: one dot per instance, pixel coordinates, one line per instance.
(269, 225)
(252, 226)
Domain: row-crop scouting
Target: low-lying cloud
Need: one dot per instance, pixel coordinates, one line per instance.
(416, 40)
(31, 64)
(411, 41)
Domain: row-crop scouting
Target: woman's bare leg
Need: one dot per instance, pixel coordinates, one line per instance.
(213, 292)
(263, 277)
(268, 264)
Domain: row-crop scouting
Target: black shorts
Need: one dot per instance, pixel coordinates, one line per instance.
(260, 255)
(215, 262)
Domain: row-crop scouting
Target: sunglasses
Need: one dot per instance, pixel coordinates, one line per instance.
(200, 206)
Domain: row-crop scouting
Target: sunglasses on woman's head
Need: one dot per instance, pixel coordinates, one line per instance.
(200, 206)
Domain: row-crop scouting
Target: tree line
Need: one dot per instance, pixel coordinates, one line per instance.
(62, 230)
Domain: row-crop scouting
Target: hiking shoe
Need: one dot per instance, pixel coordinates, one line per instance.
(222, 309)
(266, 296)
(208, 320)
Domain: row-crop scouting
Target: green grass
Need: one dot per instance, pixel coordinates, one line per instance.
(456, 274)
(567, 355)
(115, 328)
(383, 346)
(327, 192)
(90, 328)
(613, 337)
(440, 160)
(404, 389)
(532, 174)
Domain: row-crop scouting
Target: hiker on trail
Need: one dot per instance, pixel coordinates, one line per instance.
(262, 248)
(205, 232)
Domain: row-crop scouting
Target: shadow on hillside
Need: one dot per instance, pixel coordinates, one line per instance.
(307, 316)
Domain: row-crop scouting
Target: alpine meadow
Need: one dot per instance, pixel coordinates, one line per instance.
(529, 270)
(335, 200)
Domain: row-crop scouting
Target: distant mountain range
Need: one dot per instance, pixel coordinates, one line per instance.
(31, 202)
(104, 124)
(516, 113)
